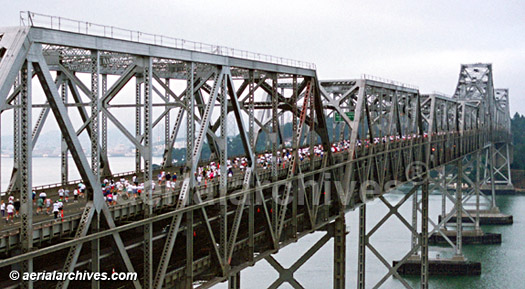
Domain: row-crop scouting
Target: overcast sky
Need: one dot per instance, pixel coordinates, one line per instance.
(416, 42)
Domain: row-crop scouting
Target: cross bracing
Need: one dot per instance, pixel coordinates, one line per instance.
(386, 129)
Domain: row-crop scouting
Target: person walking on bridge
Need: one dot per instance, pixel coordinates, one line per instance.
(48, 206)
(17, 208)
(40, 206)
(2, 208)
(10, 213)
(43, 196)
(56, 208)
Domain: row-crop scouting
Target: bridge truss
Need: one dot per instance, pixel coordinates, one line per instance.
(207, 233)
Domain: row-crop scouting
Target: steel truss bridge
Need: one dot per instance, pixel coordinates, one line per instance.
(200, 235)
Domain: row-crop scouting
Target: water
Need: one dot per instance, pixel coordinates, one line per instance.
(46, 170)
(502, 265)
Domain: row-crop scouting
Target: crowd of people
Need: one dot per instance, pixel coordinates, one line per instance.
(132, 189)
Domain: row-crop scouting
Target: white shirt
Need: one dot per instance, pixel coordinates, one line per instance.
(10, 208)
(2, 207)
(56, 206)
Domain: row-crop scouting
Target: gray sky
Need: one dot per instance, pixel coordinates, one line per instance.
(416, 42)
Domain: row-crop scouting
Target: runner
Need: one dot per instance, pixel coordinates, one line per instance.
(75, 195)
(56, 209)
(2, 208)
(17, 208)
(82, 188)
(48, 206)
(43, 196)
(10, 213)
(168, 180)
(109, 198)
(40, 207)
(115, 197)
(66, 194)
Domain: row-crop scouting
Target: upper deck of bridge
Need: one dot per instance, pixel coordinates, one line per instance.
(72, 39)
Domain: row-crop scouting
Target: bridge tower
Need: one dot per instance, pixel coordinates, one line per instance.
(476, 87)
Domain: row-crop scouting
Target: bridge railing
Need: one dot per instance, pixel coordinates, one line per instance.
(28, 18)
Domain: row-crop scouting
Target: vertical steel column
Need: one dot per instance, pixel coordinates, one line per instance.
(295, 153)
(274, 135)
(14, 186)
(190, 141)
(251, 135)
(104, 130)
(190, 124)
(424, 231)
(167, 141)
(477, 188)
(339, 252)
(443, 181)
(507, 160)
(223, 181)
(26, 208)
(234, 281)
(492, 178)
(138, 120)
(63, 156)
(95, 158)
(189, 248)
(414, 221)
(459, 209)
(362, 248)
(311, 124)
(148, 174)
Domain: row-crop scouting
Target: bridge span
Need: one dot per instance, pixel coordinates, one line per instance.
(289, 154)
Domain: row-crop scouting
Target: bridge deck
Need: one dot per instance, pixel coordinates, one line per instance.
(46, 228)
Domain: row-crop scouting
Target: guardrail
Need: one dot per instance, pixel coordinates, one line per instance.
(384, 80)
(28, 18)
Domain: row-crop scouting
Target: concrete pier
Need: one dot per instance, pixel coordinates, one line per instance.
(486, 217)
(470, 237)
(456, 266)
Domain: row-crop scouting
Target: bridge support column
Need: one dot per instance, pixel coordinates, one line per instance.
(95, 154)
(138, 120)
(361, 269)
(148, 172)
(26, 208)
(340, 253)
(63, 155)
(424, 234)
(459, 212)
(189, 248)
